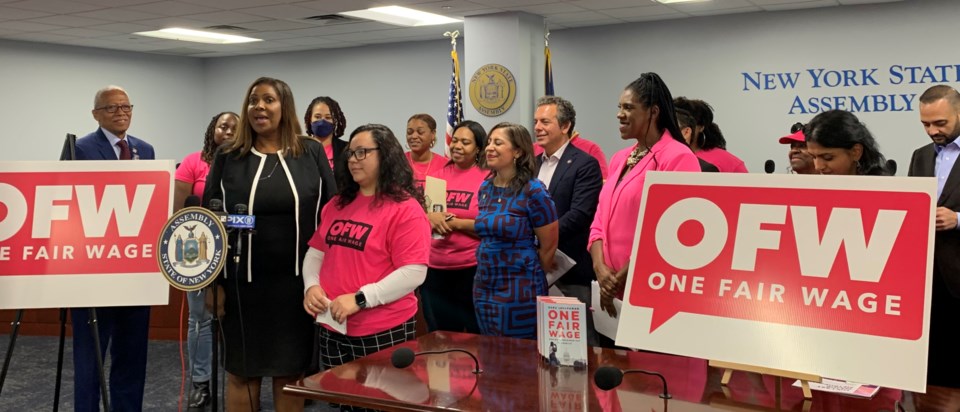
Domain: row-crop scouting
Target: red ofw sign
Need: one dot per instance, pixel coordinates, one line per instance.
(81, 222)
(817, 258)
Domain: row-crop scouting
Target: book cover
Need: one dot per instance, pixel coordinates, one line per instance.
(561, 331)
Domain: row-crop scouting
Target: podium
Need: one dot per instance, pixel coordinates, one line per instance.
(514, 378)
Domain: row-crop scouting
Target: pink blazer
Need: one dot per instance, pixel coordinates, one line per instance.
(616, 220)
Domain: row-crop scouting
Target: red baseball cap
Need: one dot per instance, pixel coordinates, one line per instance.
(796, 137)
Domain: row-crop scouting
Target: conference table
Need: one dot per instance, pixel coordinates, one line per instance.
(515, 379)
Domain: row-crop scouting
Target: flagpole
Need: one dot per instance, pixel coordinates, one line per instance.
(548, 65)
(454, 98)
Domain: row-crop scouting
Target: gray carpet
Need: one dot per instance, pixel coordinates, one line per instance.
(31, 378)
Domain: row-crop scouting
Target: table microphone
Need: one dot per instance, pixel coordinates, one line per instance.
(403, 357)
(892, 166)
(769, 166)
(609, 377)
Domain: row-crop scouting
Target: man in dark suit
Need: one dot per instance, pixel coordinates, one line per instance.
(122, 329)
(940, 116)
(573, 178)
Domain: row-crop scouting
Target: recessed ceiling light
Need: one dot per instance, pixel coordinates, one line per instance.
(401, 16)
(198, 36)
(681, 1)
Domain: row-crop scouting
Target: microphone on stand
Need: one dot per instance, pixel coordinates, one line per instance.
(403, 357)
(609, 377)
(892, 166)
(769, 166)
(192, 201)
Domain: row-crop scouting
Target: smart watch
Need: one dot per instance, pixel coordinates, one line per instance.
(361, 299)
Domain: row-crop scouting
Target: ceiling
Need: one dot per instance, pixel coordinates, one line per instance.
(284, 24)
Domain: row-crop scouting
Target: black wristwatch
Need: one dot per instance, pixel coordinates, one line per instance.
(361, 299)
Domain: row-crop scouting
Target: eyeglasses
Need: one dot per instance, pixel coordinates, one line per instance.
(126, 108)
(360, 153)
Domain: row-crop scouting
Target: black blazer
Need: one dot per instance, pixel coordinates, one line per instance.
(338, 148)
(575, 189)
(946, 260)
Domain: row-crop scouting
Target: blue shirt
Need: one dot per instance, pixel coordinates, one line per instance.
(946, 158)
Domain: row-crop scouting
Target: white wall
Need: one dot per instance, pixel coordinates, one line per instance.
(704, 58)
(48, 91)
(50, 88)
(374, 84)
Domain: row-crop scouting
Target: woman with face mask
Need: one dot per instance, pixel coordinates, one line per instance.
(325, 121)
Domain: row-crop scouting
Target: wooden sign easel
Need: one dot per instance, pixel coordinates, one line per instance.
(729, 367)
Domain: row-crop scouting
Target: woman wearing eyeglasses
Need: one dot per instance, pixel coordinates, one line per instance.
(370, 251)
(284, 180)
(841, 145)
(191, 179)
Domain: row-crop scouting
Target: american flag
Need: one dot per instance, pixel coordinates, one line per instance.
(548, 72)
(454, 102)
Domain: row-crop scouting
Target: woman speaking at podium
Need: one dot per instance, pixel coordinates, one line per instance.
(369, 253)
(284, 180)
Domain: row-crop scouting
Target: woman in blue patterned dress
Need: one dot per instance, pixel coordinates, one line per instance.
(517, 225)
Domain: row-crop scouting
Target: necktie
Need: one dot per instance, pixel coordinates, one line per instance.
(124, 150)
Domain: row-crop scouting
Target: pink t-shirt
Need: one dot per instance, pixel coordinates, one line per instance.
(725, 161)
(329, 150)
(591, 148)
(422, 170)
(458, 250)
(193, 170)
(363, 243)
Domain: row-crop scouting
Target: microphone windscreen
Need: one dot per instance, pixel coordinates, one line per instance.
(401, 358)
(240, 209)
(892, 166)
(769, 166)
(216, 205)
(192, 201)
(607, 377)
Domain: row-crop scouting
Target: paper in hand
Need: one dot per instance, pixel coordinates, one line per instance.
(327, 319)
(564, 264)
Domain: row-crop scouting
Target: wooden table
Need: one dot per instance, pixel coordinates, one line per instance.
(514, 379)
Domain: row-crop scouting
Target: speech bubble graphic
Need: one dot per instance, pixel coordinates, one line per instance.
(849, 261)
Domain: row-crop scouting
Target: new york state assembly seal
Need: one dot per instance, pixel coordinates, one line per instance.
(192, 248)
(492, 90)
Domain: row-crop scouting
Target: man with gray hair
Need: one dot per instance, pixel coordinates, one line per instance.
(574, 180)
(122, 329)
(940, 116)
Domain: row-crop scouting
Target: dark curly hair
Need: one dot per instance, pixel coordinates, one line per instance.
(526, 165)
(395, 180)
(209, 143)
(841, 129)
(339, 120)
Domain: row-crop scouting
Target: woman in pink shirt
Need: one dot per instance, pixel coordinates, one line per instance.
(708, 142)
(447, 293)
(191, 178)
(421, 137)
(370, 251)
(645, 114)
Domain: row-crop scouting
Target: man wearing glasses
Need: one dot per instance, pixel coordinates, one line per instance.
(122, 329)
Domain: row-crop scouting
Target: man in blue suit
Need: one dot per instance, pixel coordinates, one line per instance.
(573, 179)
(123, 329)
